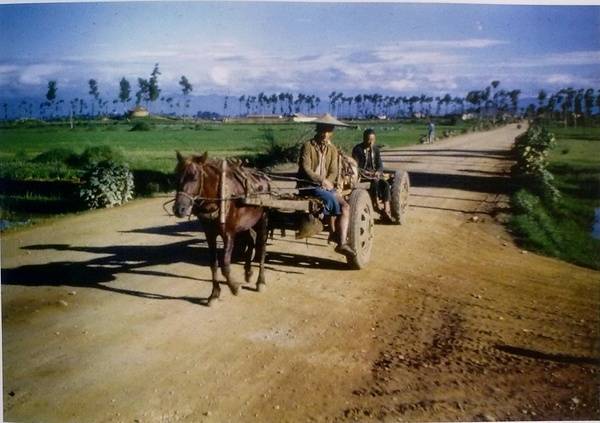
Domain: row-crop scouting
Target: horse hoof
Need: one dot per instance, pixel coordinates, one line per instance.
(248, 276)
(260, 286)
(234, 288)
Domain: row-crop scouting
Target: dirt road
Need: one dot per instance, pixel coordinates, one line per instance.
(103, 318)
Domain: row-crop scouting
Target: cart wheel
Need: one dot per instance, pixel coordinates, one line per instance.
(400, 191)
(361, 228)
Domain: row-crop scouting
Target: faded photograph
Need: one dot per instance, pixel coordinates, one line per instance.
(299, 212)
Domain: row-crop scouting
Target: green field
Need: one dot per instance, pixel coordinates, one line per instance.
(42, 162)
(155, 149)
(563, 229)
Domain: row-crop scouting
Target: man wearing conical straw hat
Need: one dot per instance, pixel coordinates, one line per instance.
(318, 166)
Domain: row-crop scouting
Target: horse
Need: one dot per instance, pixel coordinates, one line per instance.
(212, 190)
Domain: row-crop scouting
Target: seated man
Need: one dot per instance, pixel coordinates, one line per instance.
(368, 157)
(318, 168)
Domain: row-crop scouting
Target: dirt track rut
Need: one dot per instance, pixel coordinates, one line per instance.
(103, 317)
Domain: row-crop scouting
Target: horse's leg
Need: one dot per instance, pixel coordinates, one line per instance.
(228, 240)
(211, 240)
(251, 235)
(261, 246)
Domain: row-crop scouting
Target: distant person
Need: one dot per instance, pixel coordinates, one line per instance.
(368, 156)
(318, 166)
(430, 132)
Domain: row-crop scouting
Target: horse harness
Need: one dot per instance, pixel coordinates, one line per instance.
(249, 179)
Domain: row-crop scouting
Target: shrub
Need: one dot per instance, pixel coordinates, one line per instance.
(141, 126)
(275, 151)
(93, 155)
(107, 184)
(532, 149)
(57, 155)
(524, 202)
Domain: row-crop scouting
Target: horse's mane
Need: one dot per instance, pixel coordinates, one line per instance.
(256, 180)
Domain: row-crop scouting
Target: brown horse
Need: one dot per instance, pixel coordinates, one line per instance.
(212, 190)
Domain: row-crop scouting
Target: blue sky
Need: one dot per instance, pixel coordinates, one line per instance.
(238, 48)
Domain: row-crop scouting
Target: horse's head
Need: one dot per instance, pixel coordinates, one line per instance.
(194, 180)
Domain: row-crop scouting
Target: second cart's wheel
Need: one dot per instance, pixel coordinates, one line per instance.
(361, 228)
(400, 192)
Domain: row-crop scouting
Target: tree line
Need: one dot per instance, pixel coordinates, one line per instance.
(567, 104)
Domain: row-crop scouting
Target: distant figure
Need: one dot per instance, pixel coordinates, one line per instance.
(430, 132)
(368, 157)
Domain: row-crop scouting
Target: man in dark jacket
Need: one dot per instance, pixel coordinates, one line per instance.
(368, 157)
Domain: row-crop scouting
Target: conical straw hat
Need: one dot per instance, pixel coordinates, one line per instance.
(327, 119)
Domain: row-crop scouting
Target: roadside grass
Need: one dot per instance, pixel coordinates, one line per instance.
(563, 228)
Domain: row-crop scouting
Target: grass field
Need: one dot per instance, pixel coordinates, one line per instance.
(155, 149)
(35, 186)
(563, 229)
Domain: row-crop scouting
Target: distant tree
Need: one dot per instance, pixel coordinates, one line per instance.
(52, 89)
(51, 93)
(241, 100)
(186, 88)
(124, 91)
(333, 98)
(589, 101)
(142, 94)
(474, 97)
(542, 95)
(153, 89)
(514, 99)
(485, 99)
(578, 105)
(93, 92)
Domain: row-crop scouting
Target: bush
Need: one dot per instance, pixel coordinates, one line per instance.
(275, 151)
(524, 202)
(57, 155)
(93, 155)
(141, 126)
(531, 149)
(107, 184)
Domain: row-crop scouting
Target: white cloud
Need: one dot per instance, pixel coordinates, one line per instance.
(458, 44)
(411, 67)
(570, 58)
(220, 75)
(38, 73)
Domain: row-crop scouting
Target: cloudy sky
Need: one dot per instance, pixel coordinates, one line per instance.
(238, 48)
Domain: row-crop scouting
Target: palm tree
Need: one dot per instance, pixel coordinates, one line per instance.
(588, 98)
(186, 89)
(473, 97)
(93, 92)
(542, 95)
(514, 99)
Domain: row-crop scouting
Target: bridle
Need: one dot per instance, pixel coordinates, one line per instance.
(197, 200)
